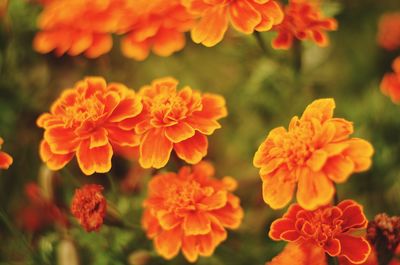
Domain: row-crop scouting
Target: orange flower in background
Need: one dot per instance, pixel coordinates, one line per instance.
(245, 16)
(87, 121)
(303, 20)
(89, 206)
(300, 254)
(5, 159)
(179, 120)
(330, 227)
(389, 31)
(390, 85)
(160, 27)
(190, 211)
(315, 152)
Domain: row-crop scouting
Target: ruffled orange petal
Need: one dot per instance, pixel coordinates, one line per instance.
(136, 50)
(271, 13)
(339, 168)
(168, 41)
(196, 223)
(179, 132)
(354, 254)
(155, 149)
(283, 40)
(5, 160)
(168, 242)
(276, 191)
(193, 149)
(213, 107)
(320, 109)
(62, 140)
(53, 161)
(244, 17)
(360, 152)
(97, 159)
(101, 44)
(189, 248)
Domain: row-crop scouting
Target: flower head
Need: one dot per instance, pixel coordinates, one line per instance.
(303, 20)
(313, 153)
(5, 159)
(190, 211)
(390, 84)
(329, 227)
(89, 206)
(300, 254)
(389, 31)
(87, 121)
(179, 120)
(245, 16)
(159, 27)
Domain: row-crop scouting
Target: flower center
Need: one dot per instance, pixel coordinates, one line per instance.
(90, 109)
(167, 110)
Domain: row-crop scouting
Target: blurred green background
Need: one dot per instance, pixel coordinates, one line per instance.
(262, 91)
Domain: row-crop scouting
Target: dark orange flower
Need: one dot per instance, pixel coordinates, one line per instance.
(303, 20)
(159, 27)
(179, 120)
(390, 85)
(190, 211)
(389, 31)
(329, 227)
(5, 159)
(89, 206)
(300, 254)
(245, 16)
(315, 152)
(87, 121)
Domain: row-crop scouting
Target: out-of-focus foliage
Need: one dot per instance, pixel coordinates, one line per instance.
(262, 91)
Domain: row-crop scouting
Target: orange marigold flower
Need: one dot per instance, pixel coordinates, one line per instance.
(179, 120)
(160, 27)
(87, 121)
(314, 152)
(5, 159)
(300, 254)
(390, 85)
(190, 211)
(89, 206)
(389, 31)
(245, 16)
(303, 20)
(329, 227)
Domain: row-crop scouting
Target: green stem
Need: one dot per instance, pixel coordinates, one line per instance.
(260, 42)
(332, 260)
(112, 183)
(335, 196)
(70, 177)
(297, 55)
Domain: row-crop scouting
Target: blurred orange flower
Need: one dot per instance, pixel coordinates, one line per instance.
(300, 254)
(176, 120)
(87, 121)
(89, 206)
(390, 85)
(314, 152)
(159, 27)
(329, 227)
(389, 31)
(79, 26)
(245, 16)
(190, 211)
(303, 20)
(5, 159)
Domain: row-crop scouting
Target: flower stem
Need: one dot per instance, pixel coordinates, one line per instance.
(297, 55)
(112, 184)
(260, 42)
(332, 260)
(335, 196)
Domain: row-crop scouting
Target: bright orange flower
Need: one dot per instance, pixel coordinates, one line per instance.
(245, 16)
(64, 30)
(87, 121)
(390, 85)
(190, 211)
(303, 20)
(389, 31)
(300, 254)
(176, 120)
(314, 152)
(5, 159)
(160, 27)
(329, 227)
(89, 206)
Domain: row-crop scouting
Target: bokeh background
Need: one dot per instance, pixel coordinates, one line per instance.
(262, 89)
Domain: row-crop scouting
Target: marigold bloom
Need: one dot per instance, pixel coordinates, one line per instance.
(329, 227)
(159, 27)
(390, 85)
(89, 206)
(389, 31)
(303, 20)
(315, 152)
(300, 254)
(87, 121)
(5, 159)
(179, 120)
(245, 16)
(190, 211)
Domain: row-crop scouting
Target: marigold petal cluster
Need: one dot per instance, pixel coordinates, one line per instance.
(245, 16)
(390, 84)
(87, 121)
(190, 211)
(89, 206)
(330, 227)
(5, 159)
(313, 153)
(178, 120)
(389, 31)
(303, 21)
